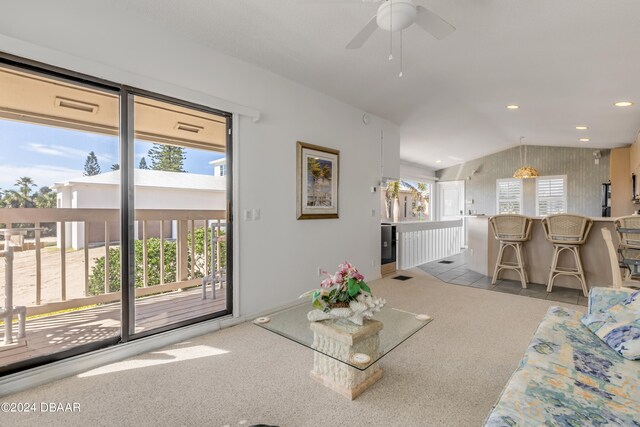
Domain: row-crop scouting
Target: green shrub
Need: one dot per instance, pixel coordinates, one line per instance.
(96, 278)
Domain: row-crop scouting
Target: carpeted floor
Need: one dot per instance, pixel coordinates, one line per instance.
(448, 374)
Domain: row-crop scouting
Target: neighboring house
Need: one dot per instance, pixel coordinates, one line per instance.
(153, 190)
(406, 205)
(219, 167)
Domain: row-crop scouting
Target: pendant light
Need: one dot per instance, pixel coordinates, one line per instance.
(525, 172)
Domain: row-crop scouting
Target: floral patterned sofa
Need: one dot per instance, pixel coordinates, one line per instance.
(569, 377)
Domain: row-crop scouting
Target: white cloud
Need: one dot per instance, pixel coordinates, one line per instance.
(42, 175)
(62, 151)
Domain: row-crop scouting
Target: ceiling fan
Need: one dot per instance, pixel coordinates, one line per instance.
(395, 16)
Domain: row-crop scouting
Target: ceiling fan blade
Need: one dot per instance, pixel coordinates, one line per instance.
(363, 35)
(336, 1)
(433, 24)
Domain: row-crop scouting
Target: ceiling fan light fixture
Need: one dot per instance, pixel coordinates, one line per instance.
(396, 15)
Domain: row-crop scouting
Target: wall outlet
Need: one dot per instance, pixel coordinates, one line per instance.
(248, 215)
(256, 214)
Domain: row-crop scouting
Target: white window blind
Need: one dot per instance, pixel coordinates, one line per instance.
(551, 195)
(509, 196)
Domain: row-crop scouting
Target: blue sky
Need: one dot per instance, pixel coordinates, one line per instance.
(48, 154)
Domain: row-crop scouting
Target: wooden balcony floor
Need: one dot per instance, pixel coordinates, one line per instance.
(59, 332)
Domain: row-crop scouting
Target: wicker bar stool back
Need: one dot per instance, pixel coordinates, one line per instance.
(512, 231)
(567, 233)
(628, 229)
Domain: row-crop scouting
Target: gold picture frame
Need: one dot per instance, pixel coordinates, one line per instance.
(317, 178)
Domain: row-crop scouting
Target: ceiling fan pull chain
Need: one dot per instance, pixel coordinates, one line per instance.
(401, 58)
(390, 30)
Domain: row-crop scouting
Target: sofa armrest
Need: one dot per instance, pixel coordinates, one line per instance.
(601, 299)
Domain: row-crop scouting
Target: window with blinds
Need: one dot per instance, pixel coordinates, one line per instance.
(509, 196)
(551, 195)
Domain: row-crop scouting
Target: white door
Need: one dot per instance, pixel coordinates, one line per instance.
(450, 200)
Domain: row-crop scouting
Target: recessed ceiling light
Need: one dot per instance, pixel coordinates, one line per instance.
(623, 104)
(513, 107)
(584, 139)
(582, 127)
(438, 161)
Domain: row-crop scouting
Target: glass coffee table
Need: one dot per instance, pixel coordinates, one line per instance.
(346, 355)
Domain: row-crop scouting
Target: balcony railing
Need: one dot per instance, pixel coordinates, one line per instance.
(79, 226)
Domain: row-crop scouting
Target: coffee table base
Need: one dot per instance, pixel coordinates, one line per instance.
(345, 341)
(351, 383)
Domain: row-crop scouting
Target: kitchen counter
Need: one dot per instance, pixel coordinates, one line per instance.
(538, 252)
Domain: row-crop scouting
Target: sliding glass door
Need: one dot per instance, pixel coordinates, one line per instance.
(180, 198)
(60, 217)
(114, 214)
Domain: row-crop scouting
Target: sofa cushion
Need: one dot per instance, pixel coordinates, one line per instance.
(601, 299)
(536, 397)
(619, 326)
(564, 346)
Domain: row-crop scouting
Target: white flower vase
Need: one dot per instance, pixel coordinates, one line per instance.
(363, 307)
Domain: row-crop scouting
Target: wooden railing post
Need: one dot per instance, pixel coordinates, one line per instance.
(218, 266)
(38, 266)
(193, 248)
(145, 252)
(162, 252)
(63, 261)
(206, 247)
(86, 258)
(182, 251)
(107, 255)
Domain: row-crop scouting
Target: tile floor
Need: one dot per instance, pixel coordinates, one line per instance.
(457, 273)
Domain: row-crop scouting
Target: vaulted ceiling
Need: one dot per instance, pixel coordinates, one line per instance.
(564, 62)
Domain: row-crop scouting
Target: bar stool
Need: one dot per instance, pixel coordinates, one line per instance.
(512, 231)
(567, 233)
(628, 229)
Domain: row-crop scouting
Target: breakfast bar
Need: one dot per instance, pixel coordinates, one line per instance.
(538, 253)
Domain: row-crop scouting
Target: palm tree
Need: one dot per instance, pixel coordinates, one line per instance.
(391, 196)
(22, 198)
(24, 184)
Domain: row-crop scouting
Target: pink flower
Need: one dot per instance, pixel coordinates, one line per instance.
(338, 278)
(326, 283)
(345, 266)
(358, 276)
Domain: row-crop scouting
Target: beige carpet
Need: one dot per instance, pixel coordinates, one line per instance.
(448, 374)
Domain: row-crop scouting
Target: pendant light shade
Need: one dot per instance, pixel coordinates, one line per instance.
(524, 171)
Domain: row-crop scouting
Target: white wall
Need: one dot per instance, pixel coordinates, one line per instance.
(279, 256)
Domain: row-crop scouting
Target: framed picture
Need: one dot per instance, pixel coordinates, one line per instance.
(317, 181)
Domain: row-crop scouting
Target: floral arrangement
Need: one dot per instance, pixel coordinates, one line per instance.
(339, 289)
